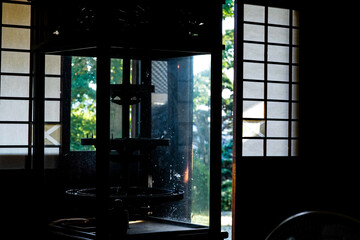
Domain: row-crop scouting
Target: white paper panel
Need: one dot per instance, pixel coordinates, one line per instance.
(253, 128)
(278, 54)
(295, 129)
(254, 13)
(277, 129)
(278, 35)
(295, 55)
(253, 109)
(16, 14)
(254, 71)
(294, 148)
(53, 64)
(253, 147)
(52, 111)
(295, 92)
(296, 22)
(277, 148)
(13, 134)
(14, 86)
(295, 74)
(15, 62)
(279, 16)
(295, 111)
(254, 51)
(278, 110)
(15, 38)
(254, 32)
(278, 91)
(277, 72)
(14, 110)
(253, 90)
(52, 87)
(295, 37)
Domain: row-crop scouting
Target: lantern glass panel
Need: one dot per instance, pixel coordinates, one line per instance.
(181, 112)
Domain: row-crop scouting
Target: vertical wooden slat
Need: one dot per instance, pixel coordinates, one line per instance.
(237, 120)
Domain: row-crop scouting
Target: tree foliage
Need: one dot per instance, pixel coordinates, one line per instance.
(228, 54)
(227, 110)
(83, 98)
(201, 115)
(83, 101)
(228, 9)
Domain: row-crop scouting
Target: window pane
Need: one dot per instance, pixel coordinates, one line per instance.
(253, 13)
(277, 148)
(278, 110)
(83, 103)
(254, 32)
(278, 72)
(14, 86)
(254, 51)
(116, 72)
(253, 128)
(159, 75)
(279, 16)
(278, 54)
(275, 118)
(52, 111)
(15, 62)
(16, 14)
(253, 71)
(277, 128)
(278, 35)
(17, 38)
(52, 87)
(53, 64)
(253, 109)
(253, 147)
(253, 90)
(115, 120)
(278, 91)
(52, 134)
(13, 134)
(14, 110)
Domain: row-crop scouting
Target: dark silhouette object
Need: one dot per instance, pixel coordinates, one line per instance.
(317, 225)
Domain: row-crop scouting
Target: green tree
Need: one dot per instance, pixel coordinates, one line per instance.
(228, 9)
(227, 110)
(83, 101)
(83, 98)
(201, 114)
(228, 53)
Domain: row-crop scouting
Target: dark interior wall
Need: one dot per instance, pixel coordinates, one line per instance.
(331, 97)
(21, 205)
(326, 175)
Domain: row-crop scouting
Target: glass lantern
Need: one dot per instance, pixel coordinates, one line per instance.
(141, 137)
